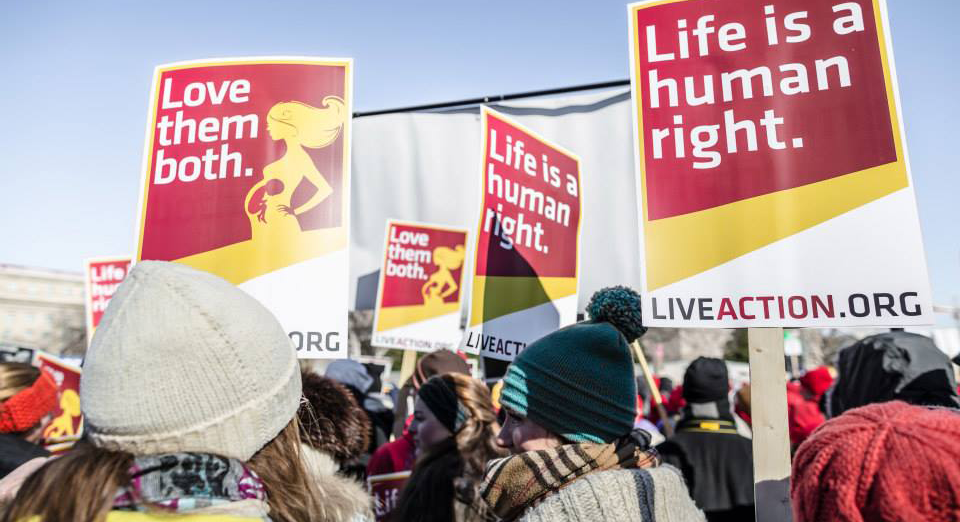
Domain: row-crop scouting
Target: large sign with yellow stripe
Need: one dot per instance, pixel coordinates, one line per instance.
(246, 174)
(772, 169)
(527, 251)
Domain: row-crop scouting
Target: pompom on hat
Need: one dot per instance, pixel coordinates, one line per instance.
(885, 461)
(619, 306)
(578, 382)
(184, 361)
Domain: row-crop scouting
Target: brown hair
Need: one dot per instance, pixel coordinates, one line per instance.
(332, 420)
(452, 470)
(16, 377)
(81, 485)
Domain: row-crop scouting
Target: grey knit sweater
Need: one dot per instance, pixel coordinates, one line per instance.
(636, 495)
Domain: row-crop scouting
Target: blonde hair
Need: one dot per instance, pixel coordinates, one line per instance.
(81, 485)
(315, 127)
(16, 377)
(451, 258)
(477, 439)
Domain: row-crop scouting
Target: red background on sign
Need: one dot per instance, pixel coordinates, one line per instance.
(402, 291)
(844, 130)
(561, 258)
(183, 219)
(387, 494)
(96, 268)
(70, 381)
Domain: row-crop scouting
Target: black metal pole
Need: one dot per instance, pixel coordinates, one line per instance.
(497, 98)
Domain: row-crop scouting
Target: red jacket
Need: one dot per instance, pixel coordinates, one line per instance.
(803, 414)
(393, 456)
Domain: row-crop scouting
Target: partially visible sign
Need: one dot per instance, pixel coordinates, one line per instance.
(103, 276)
(246, 174)
(528, 240)
(386, 491)
(418, 301)
(67, 424)
(773, 182)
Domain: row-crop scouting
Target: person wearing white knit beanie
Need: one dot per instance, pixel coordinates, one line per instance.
(189, 393)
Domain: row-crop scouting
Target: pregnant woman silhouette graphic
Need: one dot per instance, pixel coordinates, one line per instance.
(299, 125)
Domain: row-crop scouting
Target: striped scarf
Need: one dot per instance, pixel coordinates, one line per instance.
(516, 483)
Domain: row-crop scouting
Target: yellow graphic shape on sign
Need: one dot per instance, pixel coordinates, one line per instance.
(299, 125)
(277, 240)
(62, 426)
(248, 259)
(514, 294)
(396, 316)
(441, 283)
(683, 246)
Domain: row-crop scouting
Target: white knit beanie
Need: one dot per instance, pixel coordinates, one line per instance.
(184, 361)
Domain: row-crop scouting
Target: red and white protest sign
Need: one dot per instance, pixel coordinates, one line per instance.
(528, 240)
(246, 175)
(386, 491)
(772, 168)
(418, 301)
(103, 276)
(67, 424)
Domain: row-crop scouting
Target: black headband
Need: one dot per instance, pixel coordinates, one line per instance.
(441, 397)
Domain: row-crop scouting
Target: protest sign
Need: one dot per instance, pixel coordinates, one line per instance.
(528, 240)
(103, 276)
(386, 492)
(246, 175)
(773, 180)
(67, 424)
(418, 301)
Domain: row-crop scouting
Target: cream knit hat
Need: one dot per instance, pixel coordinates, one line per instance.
(185, 361)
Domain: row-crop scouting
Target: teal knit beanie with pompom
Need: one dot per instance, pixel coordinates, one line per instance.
(578, 382)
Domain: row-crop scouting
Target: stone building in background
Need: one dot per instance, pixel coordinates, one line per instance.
(42, 309)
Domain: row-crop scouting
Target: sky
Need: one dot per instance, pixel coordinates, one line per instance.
(75, 79)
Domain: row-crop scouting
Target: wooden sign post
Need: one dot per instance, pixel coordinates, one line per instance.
(771, 440)
(654, 390)
(408, 365)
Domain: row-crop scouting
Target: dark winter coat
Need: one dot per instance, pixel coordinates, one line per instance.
(717, 465)
(15, 451)
(892, 366)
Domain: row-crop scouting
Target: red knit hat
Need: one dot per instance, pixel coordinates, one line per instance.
(886, 461)
(25, 409)
(676, 401)
(817, 381)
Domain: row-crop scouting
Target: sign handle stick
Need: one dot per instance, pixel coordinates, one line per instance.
(654, 391)
(407, 365)
(771, 442)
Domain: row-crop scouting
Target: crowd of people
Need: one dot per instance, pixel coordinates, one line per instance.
(195, 406)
